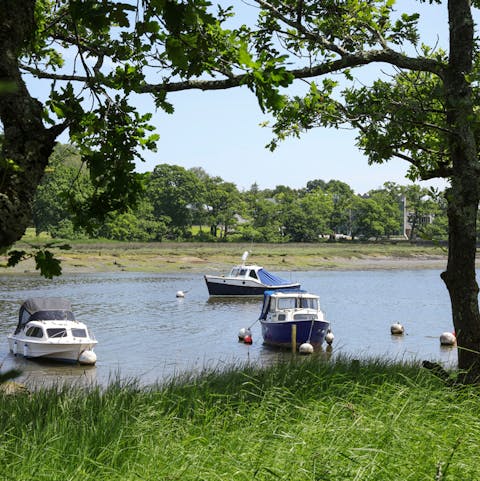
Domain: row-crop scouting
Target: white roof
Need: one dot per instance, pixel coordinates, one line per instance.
(294, 294)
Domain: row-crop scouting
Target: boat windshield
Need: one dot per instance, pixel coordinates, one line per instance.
(57, 332)
(34, 331)
(238, 272)
(297, 303)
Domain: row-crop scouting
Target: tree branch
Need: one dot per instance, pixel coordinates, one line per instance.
(441, 171)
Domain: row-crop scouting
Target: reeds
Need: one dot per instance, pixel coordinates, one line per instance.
(307, 419)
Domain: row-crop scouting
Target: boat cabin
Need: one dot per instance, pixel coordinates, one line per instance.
(50, 331)
(245, 272)
(288, 305)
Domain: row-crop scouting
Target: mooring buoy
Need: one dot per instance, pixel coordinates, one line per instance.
(397, 329)
(448, 339)
(329, 337)
(305, 348)
(244, 331)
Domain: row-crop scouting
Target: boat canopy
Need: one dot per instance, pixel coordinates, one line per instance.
(43, 309)
(270, 279)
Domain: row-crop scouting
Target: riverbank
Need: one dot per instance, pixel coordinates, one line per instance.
(209, 257)
(301, 420)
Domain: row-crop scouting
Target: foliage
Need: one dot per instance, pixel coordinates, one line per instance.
(45, 261)
(321, 209)
(172, 191)
(222, 202)
(65, 183)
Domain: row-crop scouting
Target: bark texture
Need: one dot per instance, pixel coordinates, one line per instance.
(27, 144)
(463, 196)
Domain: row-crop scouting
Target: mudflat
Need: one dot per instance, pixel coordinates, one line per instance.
(219, 257)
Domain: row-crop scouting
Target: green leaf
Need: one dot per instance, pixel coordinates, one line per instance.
(14, 257)
(47, 264)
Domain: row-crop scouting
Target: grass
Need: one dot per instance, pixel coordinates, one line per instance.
(307, 419)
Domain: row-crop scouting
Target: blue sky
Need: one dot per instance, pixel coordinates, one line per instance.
(220, 132)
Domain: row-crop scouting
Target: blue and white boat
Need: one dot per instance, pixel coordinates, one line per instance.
(282, 310)
(246, 280)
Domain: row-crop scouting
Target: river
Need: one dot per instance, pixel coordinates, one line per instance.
(146, 333)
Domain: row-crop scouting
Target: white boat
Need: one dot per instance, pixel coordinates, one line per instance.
(47, 329)
(246, 280)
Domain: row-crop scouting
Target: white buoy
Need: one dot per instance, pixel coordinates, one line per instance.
(329, 337)
(180, 294)
(397, 329)
(305, 348)
(244, 331)
(448, 339)
(87, 357)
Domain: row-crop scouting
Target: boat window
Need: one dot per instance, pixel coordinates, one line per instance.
(282, 317)
(243, 272)
(308, 303)
(57, 332)
(253, 275)
(34, 332)
(234, 272)
(79, 332)
(286, 303)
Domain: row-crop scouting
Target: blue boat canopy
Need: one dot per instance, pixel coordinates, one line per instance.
(271, 279)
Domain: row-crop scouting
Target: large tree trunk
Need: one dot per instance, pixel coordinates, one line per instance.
(27, 144)
(460, 277)
(463, 196)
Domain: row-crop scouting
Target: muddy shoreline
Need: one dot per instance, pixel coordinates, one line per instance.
(219, 258)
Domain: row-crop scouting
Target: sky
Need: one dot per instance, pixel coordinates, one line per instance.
(220, 132)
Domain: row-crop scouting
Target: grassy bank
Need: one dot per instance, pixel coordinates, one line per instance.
(305, 420)
(172, 256)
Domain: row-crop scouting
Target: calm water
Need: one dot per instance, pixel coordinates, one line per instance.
(145, 332)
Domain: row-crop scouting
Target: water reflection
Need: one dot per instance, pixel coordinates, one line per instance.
(146, 332)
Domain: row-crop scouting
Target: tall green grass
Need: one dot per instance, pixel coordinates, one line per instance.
(302, 420)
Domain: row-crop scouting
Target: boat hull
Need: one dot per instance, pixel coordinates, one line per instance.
(224, 286)
(279, 334)
(65, 352)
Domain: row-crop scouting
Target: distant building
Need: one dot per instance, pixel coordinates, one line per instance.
(411, 219)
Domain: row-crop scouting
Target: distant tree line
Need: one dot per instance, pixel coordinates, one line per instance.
(189, 204)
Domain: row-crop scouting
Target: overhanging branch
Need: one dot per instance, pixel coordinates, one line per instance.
(348, 61)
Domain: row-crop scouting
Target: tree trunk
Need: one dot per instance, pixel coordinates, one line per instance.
(461, 282)
(463, 196)
(27, 144)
